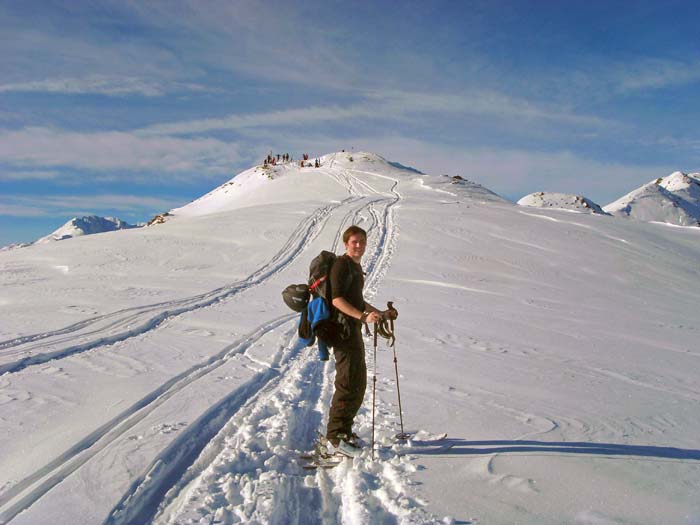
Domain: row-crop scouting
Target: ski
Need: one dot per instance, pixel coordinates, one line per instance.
(324, 462)
(424, 443)
(320, 457)
(421, 437)
(321, 463)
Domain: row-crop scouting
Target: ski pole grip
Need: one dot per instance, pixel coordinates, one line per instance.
(390, 306)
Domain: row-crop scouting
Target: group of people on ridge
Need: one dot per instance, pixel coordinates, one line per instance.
(273, 160)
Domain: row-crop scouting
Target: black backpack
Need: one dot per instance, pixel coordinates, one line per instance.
(320, 275)
(297, 297)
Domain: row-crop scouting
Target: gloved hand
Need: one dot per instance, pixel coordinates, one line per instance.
(390, 314)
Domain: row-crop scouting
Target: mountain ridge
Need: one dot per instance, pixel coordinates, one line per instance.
(674, 199)
(85, 225)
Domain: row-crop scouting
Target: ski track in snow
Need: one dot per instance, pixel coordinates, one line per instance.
(44, 479)
(307, 230)
(249, 472)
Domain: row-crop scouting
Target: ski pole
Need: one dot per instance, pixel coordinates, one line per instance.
(374, 385)
(402, 435)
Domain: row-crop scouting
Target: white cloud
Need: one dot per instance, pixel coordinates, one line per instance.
(52, 205)
(19, 210)
(29, 175)
(481, 102)
(265, 40)
(596, 80)
(93, 84)
(115, 86)
(297, 116)
(391, 106)
(117, 151)
(654, 73)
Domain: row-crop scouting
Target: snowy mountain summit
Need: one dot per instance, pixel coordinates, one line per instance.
(564, 201)
(674, 199)
(87, 225)
(290, 181)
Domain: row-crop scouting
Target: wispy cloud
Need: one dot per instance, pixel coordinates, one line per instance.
(678, 142)
(391, 106)
(277, 41)
(117, 151)
(297, 116)
(52, 205)
(594, 79)
(654, 73)
(21, 210)
(94, 84)
(29, 175)
(114, 86)
(480, 102)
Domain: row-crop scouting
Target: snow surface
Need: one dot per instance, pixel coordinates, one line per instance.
(674, 199)
(563, 201)
(152, 375)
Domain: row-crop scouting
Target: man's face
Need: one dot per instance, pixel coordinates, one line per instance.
(356, 245)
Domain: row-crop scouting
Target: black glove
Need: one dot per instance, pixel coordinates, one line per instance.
(391, 314)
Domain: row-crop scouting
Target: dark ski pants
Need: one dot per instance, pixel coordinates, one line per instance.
(350, 384)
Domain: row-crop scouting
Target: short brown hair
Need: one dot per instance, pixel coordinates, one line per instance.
(353, 230)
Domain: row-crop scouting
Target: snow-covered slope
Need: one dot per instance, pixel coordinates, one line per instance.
(563, 201)
(674, 199)
(154, 376)
(87, 225)
(289, 182)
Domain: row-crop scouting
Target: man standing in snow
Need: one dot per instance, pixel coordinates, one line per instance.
(347, 280)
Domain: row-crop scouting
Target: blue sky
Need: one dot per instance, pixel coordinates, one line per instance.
(129, 108)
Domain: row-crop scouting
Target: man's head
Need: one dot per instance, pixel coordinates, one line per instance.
(355, 240)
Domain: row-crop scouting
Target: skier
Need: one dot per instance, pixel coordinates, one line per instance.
(347, 280)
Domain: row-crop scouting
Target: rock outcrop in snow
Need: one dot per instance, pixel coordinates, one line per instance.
(87, 225)
(460, 187)
(564, 201)
(674, 199)
(14, 246)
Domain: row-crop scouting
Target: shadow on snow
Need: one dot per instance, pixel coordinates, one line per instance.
(459, 447)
